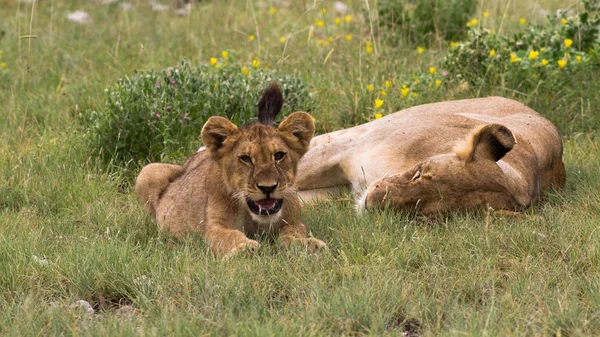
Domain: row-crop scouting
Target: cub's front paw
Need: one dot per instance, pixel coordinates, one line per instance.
(314, 244)
(310, 244)
(245, 245)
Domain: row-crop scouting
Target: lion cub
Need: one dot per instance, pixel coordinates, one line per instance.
(243, 183)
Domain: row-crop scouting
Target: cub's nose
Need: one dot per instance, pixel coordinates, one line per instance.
(267, 189)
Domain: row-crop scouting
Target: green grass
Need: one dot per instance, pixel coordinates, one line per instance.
(467, 274)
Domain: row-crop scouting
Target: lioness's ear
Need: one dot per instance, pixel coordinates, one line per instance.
(491, 142)
(215, 131)
(298, 129)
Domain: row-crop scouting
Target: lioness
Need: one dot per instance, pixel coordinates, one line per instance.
(440, 157)
(243, 183)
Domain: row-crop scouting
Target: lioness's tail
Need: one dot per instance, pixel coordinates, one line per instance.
(152, 181)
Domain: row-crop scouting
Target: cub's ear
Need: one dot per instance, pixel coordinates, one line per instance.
(298, 129)
(215, 132)
(490, 142)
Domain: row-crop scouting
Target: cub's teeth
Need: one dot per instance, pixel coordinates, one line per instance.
(259, 209)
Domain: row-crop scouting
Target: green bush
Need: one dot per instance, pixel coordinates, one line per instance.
(563, 44)
(423, 20)
(155, 116)
(551, 67)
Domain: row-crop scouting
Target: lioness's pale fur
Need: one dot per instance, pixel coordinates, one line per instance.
(440, 157)
(243, 183)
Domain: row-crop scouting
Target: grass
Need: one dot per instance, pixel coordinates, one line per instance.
(467, 274)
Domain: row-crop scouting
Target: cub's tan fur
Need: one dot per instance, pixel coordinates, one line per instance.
(440, 157)
(218, 192)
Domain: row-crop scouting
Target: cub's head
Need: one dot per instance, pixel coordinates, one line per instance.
(468, 178)
(258, 162)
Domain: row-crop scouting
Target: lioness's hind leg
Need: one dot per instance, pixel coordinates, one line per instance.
(152, 181)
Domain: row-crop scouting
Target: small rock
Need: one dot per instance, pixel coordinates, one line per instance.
(43, 262)
(159, 7)
(126, 6)
(80, 17)
(340, 7)
(185, 10)
(85, 305)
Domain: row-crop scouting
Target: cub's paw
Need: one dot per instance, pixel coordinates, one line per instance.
(310, 244)
(246, 245)
(314, 244)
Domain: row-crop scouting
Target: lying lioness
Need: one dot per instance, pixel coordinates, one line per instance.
(243, 183)
(440, 157)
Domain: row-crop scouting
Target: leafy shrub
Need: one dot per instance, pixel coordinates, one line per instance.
(153, 116)
(562, 44)
(422, 20)
(553, 67)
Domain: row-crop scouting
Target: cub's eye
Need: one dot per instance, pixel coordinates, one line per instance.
(279, 156)
(246, 160)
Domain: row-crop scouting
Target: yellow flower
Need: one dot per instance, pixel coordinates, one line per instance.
(213, 61)
(438, 83)
(383, 93)
(492, 53)
(420, 50)
(533, 55)
(562, 63)
(282, 39)
(563, 21)
(320, 23)
(473, 22)
(245, 71)
(378, 103)
(522, 21)
(486, 14)
(3, 64)
(568, 43)
(416, 81)
(370, 87)
(330, 39)
(377, 116)
(578, 57)
(348, 37)
(338, 21)
(544, 62)
(388, 84)
(348, 18)
(273, 10)
(218, 65)
(415, 95)
(255, 63)
(324, 10)
(453, 44)
(432, 70)
(369, 50)
(251, 38)
(404, 91)
(368, 43)
(224, 54)
(513, 58)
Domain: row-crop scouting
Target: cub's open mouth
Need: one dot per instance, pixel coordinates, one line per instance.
(267, 206)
